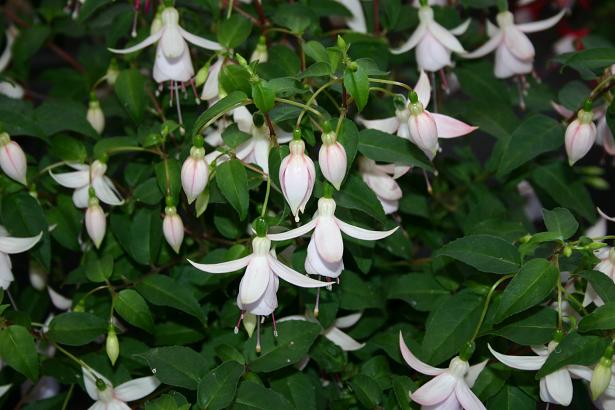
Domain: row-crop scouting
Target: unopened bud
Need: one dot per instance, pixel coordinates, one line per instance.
(194, 173)
(341, 43)
(601, 377)
(567, 251)
(173, 228)
(580, 136)
(297, 176)
(112, 345)
(12, 159)
(95, 222)
(260, 53)
(332, 159)
(95, 115)
(112, 72)
(201, 75)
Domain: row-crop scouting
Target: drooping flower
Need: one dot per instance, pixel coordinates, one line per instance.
(297, 176)
(332, 159)
(450, 388)
(173, 228)
(195, 173)
(95, 115)
(87, 176)
(260, 54)
(95, 221)
(356, 22)
(211, 86)
(12, 159)
(434, 44)
(10, 245)
(580, 136)
(381, 180)
(9, 88)
(555, 387)
(108, 397)
(514, 52)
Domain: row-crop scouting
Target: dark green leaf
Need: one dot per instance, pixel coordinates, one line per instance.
(176, 365)
(18, 350)
(164, 291)
(234, 31)
(484, 252)
(357, 85)
(534, 328)
(603, 318)
(217, 389)
(132, 308)
(76, 328)
(574, 349)
(384, 147)
(130, 90)
(560, 221)
(233, 100)
(232, 181)
(254, 396)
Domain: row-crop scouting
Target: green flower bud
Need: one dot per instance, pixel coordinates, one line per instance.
(601, 377)
(567, 251)
(112, 345)
(260, 226)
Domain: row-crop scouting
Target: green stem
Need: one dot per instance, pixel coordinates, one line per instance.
(73, 357)
(313, 98)
(265, 202)
(218, 116)
(486, 306)
(300, 105)
(119, 150)
(68, 396)
(397, 83)
(229, 10)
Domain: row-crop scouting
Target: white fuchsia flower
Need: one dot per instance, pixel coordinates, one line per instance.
(514, 52)
(87, 176)
(434, 44)
(332, 159)
(260, 54)
(555, 387)
(107, 397)
(450, 388)
(381, 180)
(173, 228)
(95, 115)
(95, 221)
(8, 246)
(297, 176)
(356, 22)
(12, 159)
(195, 173)
(9, 88)
(606, 256)
(580, 136)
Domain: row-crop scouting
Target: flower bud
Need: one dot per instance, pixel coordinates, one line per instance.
(38, 277)
(423, 130)
(297, 175)
(201, 75)
(95, 222)
(601, 377)
(194, 174)
(332, 159)
(580, 136)
(112, 72)
(95, 115)
(249, 323)
(173, 228)
(12, 159)
(112, 345)
(260, 54)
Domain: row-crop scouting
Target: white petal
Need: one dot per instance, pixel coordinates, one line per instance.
(211, 86)
(445, 37)
(580, 372)
(261, 154)
(347, 321)
(293, 233)
(460, 29)
(435, 391)
(540, 350)
(76, 179)
(473, 372)
(328, 239)
(173, 68)
(147, 42)
(4, 389)
(267, 303)
(414, 362)
(99, 405)
(423, 89)
(432, 55)
(6, 275)
(11, 245)
(449, 127)
(412, 42)
(315, 264)
(224, 267)
(200, 41)
(243, 119)
(292, 276)
(254, 282)
(467, 398)
(520, 362)
(357, 21)
(605, 216)
(347, 343)
(390, 124)
(116, 405)
(542, 24)
(450, 403)
(292, 317)
(486, 48)
(364, 234)
(518, 44)
(89, 381)
(559, 386)
(5, 58)
(282, 136)
(106, 192)
(561, 110)
(136, 389)
(59, 301)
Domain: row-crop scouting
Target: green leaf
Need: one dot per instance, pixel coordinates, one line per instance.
(421, 290)
(18, 350)
(477, 80)
(402, 385)
(292, 344)
(534, 328)
(560, 221)
(254, 396)
(590, 59)
(366, 390)
(130, 90)
(299, 389)
(319, 69)
(602, 284)
(451, 325)
(54, 116)
(295, 17)
(176, 365)
(217, 389)
(511, 397)
(530, 286)
(228, 103)
(98, 269)
(536, 135)
(76, 328)
(168, 175)
(317, 52)
(140, 235)
(232, 181)
(68, 149)
(357, 85)
(132, 308)
(263, 96)
(164, 291)
(603, 318)
(484, 252)
(384, 147)
(574, 349)
(234, 31)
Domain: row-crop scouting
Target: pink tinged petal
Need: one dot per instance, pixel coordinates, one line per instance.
(11, 245)
(136, 389)
(415, 363)
(579, 139)
(450, 403)
(296, 181)
(580, 372)
(117, 405)
(95, 224)
(172, 68)
(413, 41)
(194, 177)
(559, 386)
(605, 136)
(76, 179)
(561, 110)
(486, 48)
(59, 301)
(173, 229)
(105, 191)
(473, 372)
(436, 390)
(347, 343)
(328, 239)
(347, 321)
(13, 161)
(423, 89)
(507, 65)
(294, 233)
(424, 133)
(333, 161)
(145, 43)
(223, 267)
(542, 24)
(200, 41)
(254, 282)
(390, 124)
(211, 87)
(364, 234)
(448, 127)
(293, 277)
(357, 21)
(518, 44)
(316, 265)
(460, 29)
(431, 55)
(99, 405)
(467, 398)
(389, 206)
(520, 362)
(243, 119)
(445, 37)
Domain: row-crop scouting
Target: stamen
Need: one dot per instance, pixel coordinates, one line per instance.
(317, 300)
(429, 190)
(258, 335)
(179, 109)
(197, 99)
(521, 93)
(183, 86)
(444, 80)
(171, 90)
(133, 33)
(236, 329)
(275, 328)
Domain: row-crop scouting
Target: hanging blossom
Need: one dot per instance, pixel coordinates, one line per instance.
(381, 180)
(434, 44)
(9, 88)
(87, 176)
(606, 264)
(107, 397)
(195, 171)
(173, 227)
(10, 245)
(555, 387)
(95, 220)
(12, 159)
(256, 149)
(297, 175)
(332, 158)
(212, 90)
(514, 52)
(413, 122)
(356, 22)
(603, 396)
(450, 389)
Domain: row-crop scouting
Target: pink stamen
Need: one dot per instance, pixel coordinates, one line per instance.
(275, 328)
(236, 330)
(445, 86)
(196, 95)
(258, 335)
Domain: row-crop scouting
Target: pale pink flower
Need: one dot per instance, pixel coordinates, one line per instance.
(580, 136)
(10, 245)
(381, 180)
(194, 174)
(297, 175)
(115, 398)
(332, 159)
(173, 228)
(95, 222)
(12, 159)
(450, 388)
(604, 136)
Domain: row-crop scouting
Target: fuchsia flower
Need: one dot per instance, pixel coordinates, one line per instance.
(514, 52)
(12, 159)
(606, 264)
(450, 389)
(580, 136)
(434, 44)
(108, 397)
(381, 180)
(194, 173)
(356, 22)
(297, 175)
(332, 159)
(173, 228)
(95, 221)
(10, 245)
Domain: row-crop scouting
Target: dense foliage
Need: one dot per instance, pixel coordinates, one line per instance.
(306, 204)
